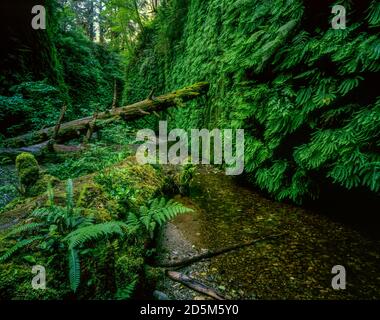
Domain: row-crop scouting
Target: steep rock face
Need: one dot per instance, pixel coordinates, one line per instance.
(302, 90)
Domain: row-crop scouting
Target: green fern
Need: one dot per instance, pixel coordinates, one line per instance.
(349, 84)
(158, 212)
(127, 292)
(70, 229)
(374, 14)
(74, 269)
(29, 227)
(19, 245)
(94, 233)
(69, 196)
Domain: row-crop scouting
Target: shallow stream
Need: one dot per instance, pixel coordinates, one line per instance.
(295, 266)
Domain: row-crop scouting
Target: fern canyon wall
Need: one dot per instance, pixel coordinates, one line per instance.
(303, 92)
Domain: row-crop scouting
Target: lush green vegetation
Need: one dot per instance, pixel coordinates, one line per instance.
(303, 92)
(111, 216)
(75, 71)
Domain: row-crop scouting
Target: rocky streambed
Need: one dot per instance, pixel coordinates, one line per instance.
(295, 266)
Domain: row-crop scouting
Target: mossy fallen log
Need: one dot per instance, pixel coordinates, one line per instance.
(76, 128)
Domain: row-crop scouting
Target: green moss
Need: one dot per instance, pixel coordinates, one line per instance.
(178, 178)
(11, 275)
(28, 170)
(42, 183)
(153, 276)
(129, 266)
(25, 292)
(131, 184)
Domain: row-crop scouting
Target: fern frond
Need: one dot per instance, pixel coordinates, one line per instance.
(74, 269)
(132, 221)
(25, 228)
(19, 245)
(95, 232)
(162, 211)
(374, 14)
(69, 196)
(349, 84)
(40, 212)
(127, 292)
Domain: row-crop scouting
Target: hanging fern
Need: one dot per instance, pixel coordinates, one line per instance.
(374, 14)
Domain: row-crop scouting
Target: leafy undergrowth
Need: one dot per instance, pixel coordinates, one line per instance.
(92, 234)
(110, 147)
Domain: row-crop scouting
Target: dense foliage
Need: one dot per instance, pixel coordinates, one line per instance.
(74, 70)
(97, 230)
(303, 92)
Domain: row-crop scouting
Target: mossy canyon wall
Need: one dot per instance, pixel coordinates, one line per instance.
(302, 91)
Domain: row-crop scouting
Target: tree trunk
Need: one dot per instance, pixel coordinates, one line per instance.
(76, 128)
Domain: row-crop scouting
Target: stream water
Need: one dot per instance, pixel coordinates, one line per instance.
(295, 266)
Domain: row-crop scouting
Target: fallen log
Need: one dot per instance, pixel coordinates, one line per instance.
(38, 150)
(210, 254)
(193, 284)
(75, 128)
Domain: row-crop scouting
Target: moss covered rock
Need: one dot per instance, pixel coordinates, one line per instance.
(131, 184)
(28, 170)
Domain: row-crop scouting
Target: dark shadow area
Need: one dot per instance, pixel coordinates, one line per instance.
(357, 208)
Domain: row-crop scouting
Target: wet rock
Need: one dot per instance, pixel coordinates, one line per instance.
(159, 295)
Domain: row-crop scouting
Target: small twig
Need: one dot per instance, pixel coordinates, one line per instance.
(150, 96)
